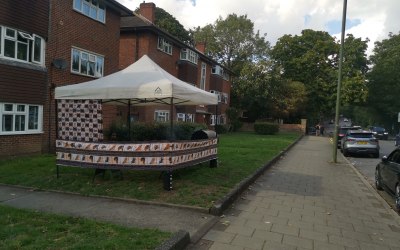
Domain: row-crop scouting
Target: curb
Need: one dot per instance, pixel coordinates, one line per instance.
(220, 206)
(373, 190)
(177, 241)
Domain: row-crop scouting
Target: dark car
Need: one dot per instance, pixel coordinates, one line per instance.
(387, 175)
(360, 142)
(379, 132)
(342, 132)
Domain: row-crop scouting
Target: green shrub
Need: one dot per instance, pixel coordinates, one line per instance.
(266, 128)
(220, 129)
(156, 131)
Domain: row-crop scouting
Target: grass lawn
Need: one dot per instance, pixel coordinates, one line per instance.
(25, 229)
(239, 155)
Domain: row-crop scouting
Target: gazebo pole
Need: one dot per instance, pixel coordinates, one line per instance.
(129, 119)
(171, 118)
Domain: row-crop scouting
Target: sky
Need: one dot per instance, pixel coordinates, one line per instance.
(372, 19)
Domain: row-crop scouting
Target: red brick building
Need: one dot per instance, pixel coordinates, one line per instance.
(55, 43)
(62, 42)
(139, 36)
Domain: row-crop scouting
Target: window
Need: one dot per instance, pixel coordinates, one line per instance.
(161, 115)
(218, 70)
(184, 117)
(21, 46)
(87, 63)
(189, 55)
(203, 76)
(212, 120)
(94, 9)
(164, 45)
(224, 97)
(20, 118)
(218, 94)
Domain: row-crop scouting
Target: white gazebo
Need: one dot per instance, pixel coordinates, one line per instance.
(142, 83)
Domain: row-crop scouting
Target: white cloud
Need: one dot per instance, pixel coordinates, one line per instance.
(280, 17)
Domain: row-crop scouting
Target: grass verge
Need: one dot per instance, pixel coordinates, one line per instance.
(239, 155)
(25, 229)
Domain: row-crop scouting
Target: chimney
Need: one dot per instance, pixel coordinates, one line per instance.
(201, 46)
(148, 11)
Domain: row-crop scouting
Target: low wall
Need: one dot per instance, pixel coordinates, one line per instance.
(301, 128)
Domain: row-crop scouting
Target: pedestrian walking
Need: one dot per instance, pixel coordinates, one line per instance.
(317, 129)
(321, 129)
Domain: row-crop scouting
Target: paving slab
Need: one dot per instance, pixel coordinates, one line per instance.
(305, 201)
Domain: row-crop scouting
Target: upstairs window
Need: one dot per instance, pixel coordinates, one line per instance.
(189, 55)
(21, 46)
(94, 9)
(87, 63)
(203, 76)
(218, 70)
(164, 45)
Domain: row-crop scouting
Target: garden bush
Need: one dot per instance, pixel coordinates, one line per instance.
(156, 131)
(266, 128)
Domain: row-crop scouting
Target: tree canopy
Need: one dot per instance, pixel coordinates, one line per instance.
(384, 84)
(232, 41)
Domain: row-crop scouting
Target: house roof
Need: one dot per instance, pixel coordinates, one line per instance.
(140, 23)
(119, 7)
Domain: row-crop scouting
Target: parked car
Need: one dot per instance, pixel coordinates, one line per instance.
(342, 132)
(397, 140)
(360, 142)
(379, 132)
(387, 175)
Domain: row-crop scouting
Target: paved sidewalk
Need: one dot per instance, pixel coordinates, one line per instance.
(307, 202)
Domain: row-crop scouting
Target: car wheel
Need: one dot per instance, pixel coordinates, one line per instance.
(345, 152)
(378, 180)
(397, 197)
(376, 155)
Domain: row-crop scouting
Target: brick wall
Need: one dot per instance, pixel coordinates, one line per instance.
(13, 145)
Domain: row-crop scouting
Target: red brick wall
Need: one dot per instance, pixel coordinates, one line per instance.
(22, 82)
(15, 145)
(70, 28)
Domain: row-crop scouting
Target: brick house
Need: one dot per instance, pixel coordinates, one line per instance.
(139, 36)
(55, 43)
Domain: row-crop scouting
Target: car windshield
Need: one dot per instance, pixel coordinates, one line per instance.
(379, 129)
(361, 135)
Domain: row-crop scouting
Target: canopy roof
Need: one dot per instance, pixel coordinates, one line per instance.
(141, 83)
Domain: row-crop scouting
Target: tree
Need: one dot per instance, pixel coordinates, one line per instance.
(384, 84)
(232, 41)
(312, 59)
(263, 93)
(168, 23)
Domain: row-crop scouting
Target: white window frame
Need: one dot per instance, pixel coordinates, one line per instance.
(28, 41)
(224, 97)
(212, 119)
(26, 130)
(79, 5)
(184, 117)
(164, 45)
(161, 115)
(203, 76)
(218, 94)
(189, 55)
(91, 58)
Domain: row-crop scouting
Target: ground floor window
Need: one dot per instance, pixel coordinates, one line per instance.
(184, 117)
(161, 115)
(217, 119)
(20, 118)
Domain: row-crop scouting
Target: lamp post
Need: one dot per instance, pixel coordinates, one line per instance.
(335, 134)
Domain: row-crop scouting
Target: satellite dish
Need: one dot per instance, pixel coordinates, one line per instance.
(60, 63)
